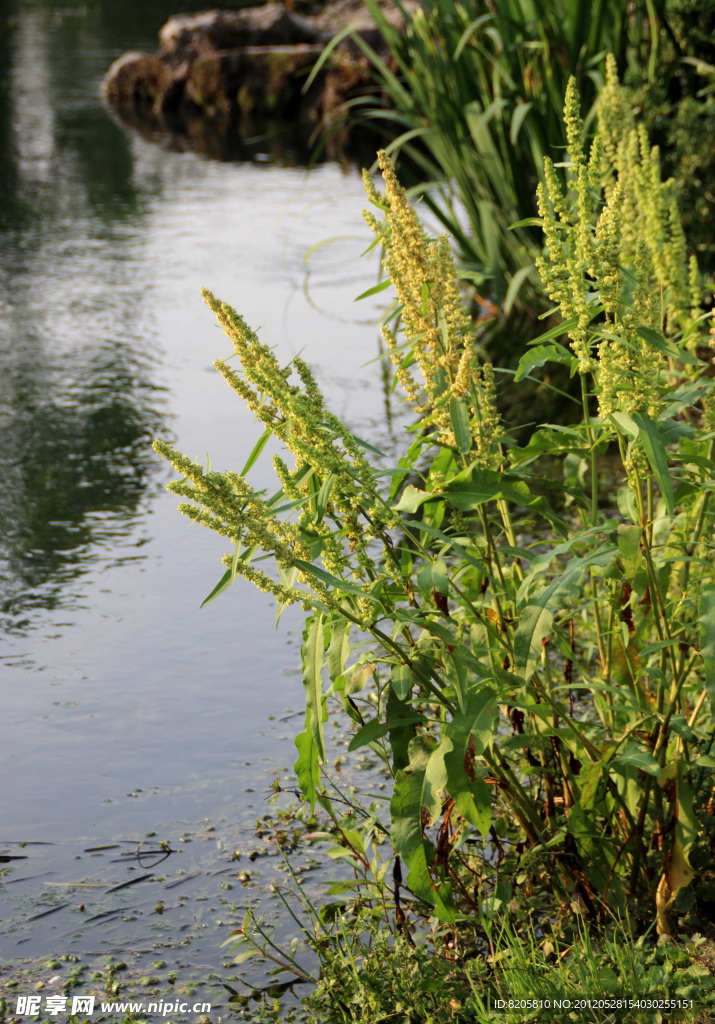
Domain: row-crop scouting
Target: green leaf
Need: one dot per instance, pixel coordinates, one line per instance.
(468, 735)
(433, 576)
(371, 731)
(324, 496)
(687, 824)
(402, 729)
(706, 628)
(625, 423)
(528, 222)
(633, 757)
(258, 448)
(402, 679)
(307, 769)
(415, 789)
(537, 618)
(658, 645)
(459, 419)
(667, 346)
(375, 289)
(367, 446)
(535, 624)
(455, 668)
(332, 581)
(535, 357)
(339, 647)
(474, 487)
(550, 442)
(629, 549)
(679, 725)
(563, 328)
(223, 584)
(411, 499)
(247, 954)
(313, 660)
(657, 456)
(515, 284)
(517, 119)
(686, 396)
(627, 505)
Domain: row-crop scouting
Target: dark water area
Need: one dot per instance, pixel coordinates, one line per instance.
(129, 716)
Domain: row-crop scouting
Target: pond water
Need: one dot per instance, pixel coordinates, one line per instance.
(128, 715)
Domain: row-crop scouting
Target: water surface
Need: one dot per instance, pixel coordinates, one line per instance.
(125, 709)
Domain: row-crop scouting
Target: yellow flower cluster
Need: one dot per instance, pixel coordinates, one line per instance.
(649, 205)
(617, 232)
(332, 488)
(433, 319)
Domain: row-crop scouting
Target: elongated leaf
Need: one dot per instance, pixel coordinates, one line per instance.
(512, 292)
(367, 446)
(338, 648)
(629, 549)
(563, 328)
(535, 624)
(332, 581)
(459, 420)
(625, 423)
(657, 456)
(633, 757)
(528, 222)
(257, 449)
(313, 660)
(223, 584)
(324, 496)
(550, 442)
(706, 628)
(376, 288)
(455, 668)
(468, 735)
(517, 119)
(666, 345)
(401, 730)
(306, 767)
(537, 618)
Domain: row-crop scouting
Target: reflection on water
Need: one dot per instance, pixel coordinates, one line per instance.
(78, 400)
(125, 709)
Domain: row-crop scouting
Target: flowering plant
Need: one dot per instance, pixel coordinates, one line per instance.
(533, 661)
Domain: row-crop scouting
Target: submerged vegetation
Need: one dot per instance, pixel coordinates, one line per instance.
(523, 634)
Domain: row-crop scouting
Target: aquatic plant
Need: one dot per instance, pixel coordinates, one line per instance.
(526, 642)
(471, 96)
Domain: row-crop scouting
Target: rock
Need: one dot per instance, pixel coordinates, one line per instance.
(269, 25)
(234, 67)
(140, 80)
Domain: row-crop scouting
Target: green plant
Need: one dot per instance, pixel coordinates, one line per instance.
(530, 653)
(494, 969)
(472, 95)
